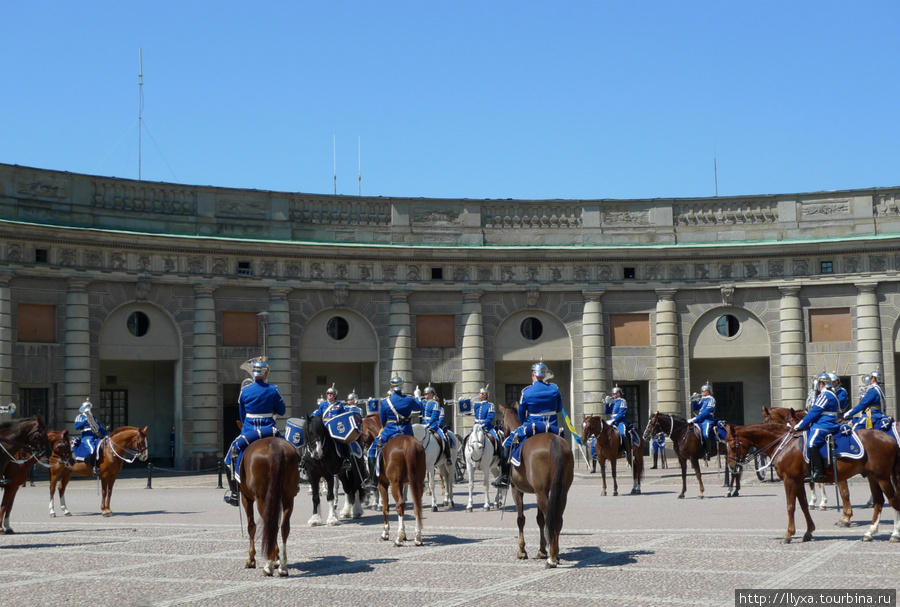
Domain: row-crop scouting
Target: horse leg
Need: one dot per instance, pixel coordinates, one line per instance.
(541, 520)
(486, 477)
(314, 483)
(400, 507)
(431, 490)
(695, 464)
(612, 469)
(877, 505)
(107, 487)
(470, 472)
(520, 521)
(845, 500)
(385, 510)
(331, 498)
(251, 533)
(602, 474)
(54, 477)
(823, 504)
(9, 495)
(637, 470)
(683, 464)
(66, 475)
(797, 493)
(812, 494)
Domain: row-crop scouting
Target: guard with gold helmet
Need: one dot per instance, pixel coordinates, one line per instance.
(328, 408)
(258, 404)
(395, 412)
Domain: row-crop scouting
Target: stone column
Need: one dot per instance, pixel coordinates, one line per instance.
(278, 346)
(206, 410)
(400, 341)
(78, 349)
(6, 376)
(593, 359)
(668, 381)
(868, 331)
(793, 355)
(473, 376)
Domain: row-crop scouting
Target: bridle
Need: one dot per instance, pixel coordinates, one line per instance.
(138, 451)
(40, 452)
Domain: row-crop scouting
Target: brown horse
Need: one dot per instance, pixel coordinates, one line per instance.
(28, 435)
(880, 465)
(403, 463)
(608, 449)
(687, 446)
(270, 474)
(547, 470)
(17, 473)
(124, 444)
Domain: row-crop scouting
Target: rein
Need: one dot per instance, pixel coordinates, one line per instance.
(19, 447)
(128, 450)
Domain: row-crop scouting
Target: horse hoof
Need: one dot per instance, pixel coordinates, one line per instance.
(843, 523)
(107, 514)
(522, 556)
(469, 508)
(728, 495)
(681, 497)
(867, 538)
(487, 508)
(250, 565)
(399, 543)
(549, 565)
(615, 493)
(635, 492)
(282, 573)
(821, 508)
(895, 537)
(543, 555)
(434, 508)
(700, 497)
(67, 514)
(785, 540)
(603, 493)
(807, 536)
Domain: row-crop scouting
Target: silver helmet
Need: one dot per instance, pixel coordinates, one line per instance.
(85, 407)
(331, 391)
(396, 383)
(617, 390)
(541, 370)
(876, 375)
(260, 367)
(706, 388)
(352, 397)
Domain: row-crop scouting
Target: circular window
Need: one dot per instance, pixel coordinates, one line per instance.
(531, 328)
(727, 325)
(138, 324)
(337, 328)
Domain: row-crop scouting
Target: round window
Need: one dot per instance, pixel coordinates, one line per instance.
(727, 325)
(337, 328)
(138, 324)
(531, 328)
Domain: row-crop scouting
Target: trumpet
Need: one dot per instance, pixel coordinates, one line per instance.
(10, 408)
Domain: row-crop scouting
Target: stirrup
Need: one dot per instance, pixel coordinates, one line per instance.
(502, 481)
(231, 498)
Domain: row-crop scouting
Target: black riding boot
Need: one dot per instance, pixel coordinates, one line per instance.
(232, 496)
(655, 460)
(91, 462)
(369, 484)
(816, 472)
(593, 465)
(503, 479)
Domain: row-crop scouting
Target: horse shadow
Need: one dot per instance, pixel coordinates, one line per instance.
(591, 556)
(337, 565)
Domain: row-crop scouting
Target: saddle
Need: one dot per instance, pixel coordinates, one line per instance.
(844, 444)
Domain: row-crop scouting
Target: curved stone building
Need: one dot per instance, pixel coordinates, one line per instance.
(147, 297)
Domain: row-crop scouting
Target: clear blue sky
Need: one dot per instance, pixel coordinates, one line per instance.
(462, 99)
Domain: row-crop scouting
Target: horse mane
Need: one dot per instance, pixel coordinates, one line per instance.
(674, 417)
(122, 429)
(12, 423)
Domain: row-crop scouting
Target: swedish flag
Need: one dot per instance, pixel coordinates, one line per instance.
(572, 428)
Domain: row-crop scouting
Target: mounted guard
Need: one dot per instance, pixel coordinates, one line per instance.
(538, 408)
(87, 447)
(433, 417)
(258, 404)
(821, 421)
(871, 403)
(706, 420)
(618, 418)
(340, 428)
(483, 410)
(394, 412)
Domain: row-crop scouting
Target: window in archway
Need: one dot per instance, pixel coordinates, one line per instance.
(728, 325)
(337, 328)
(531, 328)
(138, 324)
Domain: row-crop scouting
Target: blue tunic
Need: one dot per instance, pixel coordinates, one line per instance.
(821, 419)
(484, 416)
(659, 442)
(328, 410)
(433, 417)
(618, 417)
(89, 440)
(538, 407)
(706, 417)
(394, 412)
(258, 405)
(874, 401)
(843, 398)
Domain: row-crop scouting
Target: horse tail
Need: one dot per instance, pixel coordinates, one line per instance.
(273, 502)
(895, 476)
(415, 473)
(556, 498)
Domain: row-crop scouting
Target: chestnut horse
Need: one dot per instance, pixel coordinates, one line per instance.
(369, 431)
(270, 474)
(547, 470)
(880, 465)
(124, 444)
(27, 435)
(687, 445)
(607, 446)
(17, 473)
(403, 464)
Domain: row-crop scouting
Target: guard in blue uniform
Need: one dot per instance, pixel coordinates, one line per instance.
(706, 419)
(258, 405)
(539, 405)
(327, 409)
(821, 421)
(872, 403)
(352, 405)
(433, 417)
(840, 392)
(91, 435)
(618, 418)
(395, 412)
(484, 413)
(658, 445)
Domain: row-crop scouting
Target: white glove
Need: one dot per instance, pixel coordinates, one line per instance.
(797, 427)
(691, 421)
(846, 416)
(417, 393)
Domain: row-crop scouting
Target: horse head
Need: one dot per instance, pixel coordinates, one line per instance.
(35, 437)
(315, 435)
(591, 427)
(62, 447)
(653, 427)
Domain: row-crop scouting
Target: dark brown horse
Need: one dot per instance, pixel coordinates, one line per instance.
(880, 465)
(608, 447)
(17, 472)
(547, 470)
(270, 474)
(27, 435)
(370, 429)
(687, 445)
(403, 463)
(124, 444)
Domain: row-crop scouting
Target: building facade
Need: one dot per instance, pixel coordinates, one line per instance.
(147, 297)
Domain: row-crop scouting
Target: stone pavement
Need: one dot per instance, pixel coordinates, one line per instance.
(180, 544)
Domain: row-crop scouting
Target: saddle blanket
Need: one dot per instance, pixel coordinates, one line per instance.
(81, 448)
(530, 430)
(720, 429)
(886, 424)
(846, 445)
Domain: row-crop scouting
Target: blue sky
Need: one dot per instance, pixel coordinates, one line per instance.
(529, 100)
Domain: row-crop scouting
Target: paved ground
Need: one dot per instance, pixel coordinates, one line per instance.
(179, 544)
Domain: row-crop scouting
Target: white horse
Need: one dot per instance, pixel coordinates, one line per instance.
(480, 455)
(433, 455)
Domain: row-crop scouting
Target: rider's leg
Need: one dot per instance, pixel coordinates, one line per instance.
(232, 496)
(655, 457)
(370, 483)
(503, 479)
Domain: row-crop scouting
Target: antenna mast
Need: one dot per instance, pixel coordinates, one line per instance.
(334, 146)
(359, 148)
(716, 172)
(140, 103)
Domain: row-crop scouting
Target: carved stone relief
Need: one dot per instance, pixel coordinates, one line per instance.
(507, 274)
(93, 259)
(532, 273)
(851, 265)
(677, 271)
(169, 264)
(269, 268)
(460, 273)
(195, 265)
(878, 263)
(67, 257)
(726, 270)
(701, 271)
(412, 273)
(220, 266)
(532, 295)
(751, 269)
(292, 269)
(801, 267)
(14, 253)
(365, 272)
(340, 295)
(389, 272)
(581, 273)
(654, 272)
(317, 271)
(555, 274)
(118, 261)
(484, 274)
(142, 289)
(776, 267)
(340, 271)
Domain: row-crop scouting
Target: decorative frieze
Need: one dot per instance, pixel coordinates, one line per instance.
(341, 212)
(144, 198)
(530, 216)
(725, 212)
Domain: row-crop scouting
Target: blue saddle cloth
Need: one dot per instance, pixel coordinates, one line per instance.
(531, 429)
(846, 445)
(81, 448)
(886, 424)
